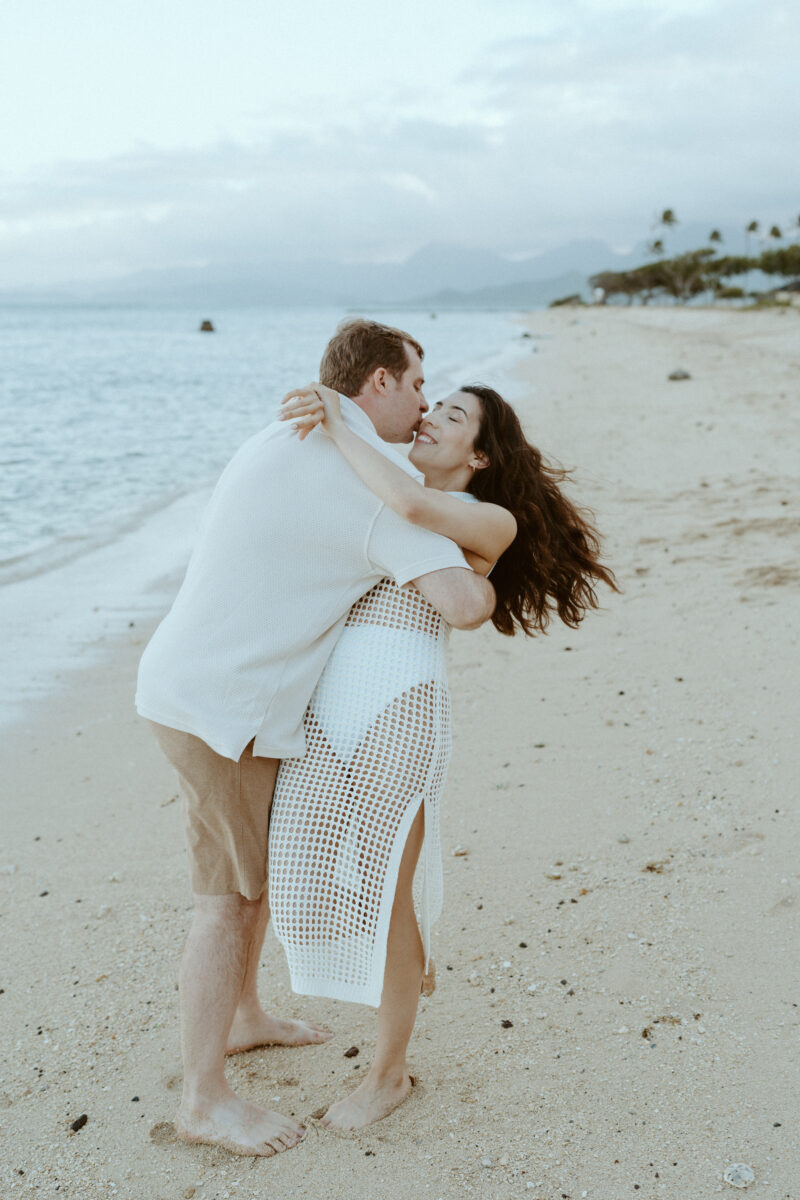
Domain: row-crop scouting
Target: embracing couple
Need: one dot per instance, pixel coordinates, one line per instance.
(298, 687)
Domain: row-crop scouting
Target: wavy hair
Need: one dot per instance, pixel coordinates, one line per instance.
(552, 566)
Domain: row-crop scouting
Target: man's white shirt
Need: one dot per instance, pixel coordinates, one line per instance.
(290, 540)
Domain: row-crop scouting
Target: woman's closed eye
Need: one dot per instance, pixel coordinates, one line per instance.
(450, 416)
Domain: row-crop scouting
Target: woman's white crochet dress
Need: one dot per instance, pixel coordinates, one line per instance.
(378, 744)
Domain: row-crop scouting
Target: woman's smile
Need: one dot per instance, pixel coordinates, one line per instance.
(424, 437)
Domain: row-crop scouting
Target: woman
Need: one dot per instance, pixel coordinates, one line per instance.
(350, 819)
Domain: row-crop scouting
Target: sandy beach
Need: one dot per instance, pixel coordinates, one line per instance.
(618, 979)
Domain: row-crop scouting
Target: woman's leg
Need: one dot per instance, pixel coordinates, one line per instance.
(387, 1082)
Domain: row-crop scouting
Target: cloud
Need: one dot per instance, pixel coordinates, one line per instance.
(606, 113)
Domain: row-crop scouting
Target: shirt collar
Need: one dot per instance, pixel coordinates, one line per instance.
(360, 423)
(356, 416)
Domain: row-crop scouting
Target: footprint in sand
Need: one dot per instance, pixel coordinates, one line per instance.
(738, 842)
(163, 1134)
(785, 904)
(770, 576)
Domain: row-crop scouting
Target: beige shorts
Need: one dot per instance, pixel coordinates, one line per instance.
(226, 808)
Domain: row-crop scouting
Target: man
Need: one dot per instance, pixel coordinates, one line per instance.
(290, 540)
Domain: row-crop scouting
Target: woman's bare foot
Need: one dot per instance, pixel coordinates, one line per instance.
(259, 1029)
(238, 1126)
(373, 1100)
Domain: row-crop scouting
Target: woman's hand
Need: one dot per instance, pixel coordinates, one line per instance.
(310, 406)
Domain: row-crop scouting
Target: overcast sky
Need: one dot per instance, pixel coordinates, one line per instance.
(140, 133)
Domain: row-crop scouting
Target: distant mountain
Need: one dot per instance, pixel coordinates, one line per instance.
(431, 271)
(436, 274)
(529, 293)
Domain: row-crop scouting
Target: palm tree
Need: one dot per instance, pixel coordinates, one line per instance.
(775, 233)
(715, 236)
(750, 231)
(666, 221)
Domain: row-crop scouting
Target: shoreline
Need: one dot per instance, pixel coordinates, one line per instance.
(626, 797)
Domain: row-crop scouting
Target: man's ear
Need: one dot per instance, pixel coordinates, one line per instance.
(379, 378)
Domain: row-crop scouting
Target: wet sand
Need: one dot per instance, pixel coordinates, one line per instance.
(618, 978)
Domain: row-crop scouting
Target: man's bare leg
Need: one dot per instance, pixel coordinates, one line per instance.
(387, 1082)
(212, 974)
(251, 1025)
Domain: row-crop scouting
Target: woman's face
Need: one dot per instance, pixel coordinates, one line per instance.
(446, 437)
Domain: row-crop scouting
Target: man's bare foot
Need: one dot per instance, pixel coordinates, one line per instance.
(373, 1100)
(259, 1029)
(239, 1126)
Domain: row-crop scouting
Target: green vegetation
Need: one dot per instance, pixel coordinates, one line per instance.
(574, 299)
(703, 272)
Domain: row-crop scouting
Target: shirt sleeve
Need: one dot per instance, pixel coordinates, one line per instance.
(404, 551)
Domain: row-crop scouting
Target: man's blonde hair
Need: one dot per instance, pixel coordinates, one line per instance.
(358, 348)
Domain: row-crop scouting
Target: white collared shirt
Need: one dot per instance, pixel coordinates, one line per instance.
(290, 540)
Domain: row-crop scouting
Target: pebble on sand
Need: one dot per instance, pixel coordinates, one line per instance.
(679, 373)
(79, 1122)
(739, 1175)
(352, 1052)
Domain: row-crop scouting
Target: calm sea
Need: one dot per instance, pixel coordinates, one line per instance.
(107, 414)
(114, 425)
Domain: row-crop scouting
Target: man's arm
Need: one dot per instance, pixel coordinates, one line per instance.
(464, 598)
(436, 565)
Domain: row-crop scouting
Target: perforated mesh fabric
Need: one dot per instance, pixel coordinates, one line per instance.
(378, 745)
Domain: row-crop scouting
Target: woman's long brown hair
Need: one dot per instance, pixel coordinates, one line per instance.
(553, 563)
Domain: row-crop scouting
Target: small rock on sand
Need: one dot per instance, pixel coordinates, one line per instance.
(679, 373)
(739, 1175)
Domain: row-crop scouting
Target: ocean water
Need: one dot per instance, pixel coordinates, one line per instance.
(107, 414)
(114, 425)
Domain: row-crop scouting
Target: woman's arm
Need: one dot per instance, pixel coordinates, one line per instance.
(484, 529)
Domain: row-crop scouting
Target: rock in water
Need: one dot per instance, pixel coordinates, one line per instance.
(739, 1175)
(679, 373)
(206, 326)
